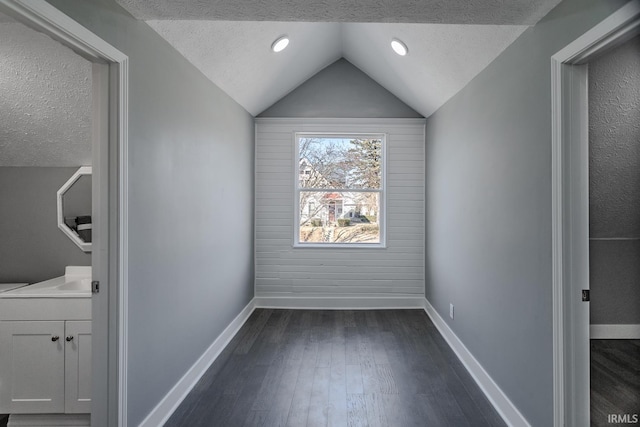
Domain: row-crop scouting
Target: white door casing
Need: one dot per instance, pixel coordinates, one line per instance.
(110, 175)
(570, 210)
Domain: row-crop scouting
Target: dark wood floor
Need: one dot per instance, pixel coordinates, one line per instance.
(615, 379)
(336, 368)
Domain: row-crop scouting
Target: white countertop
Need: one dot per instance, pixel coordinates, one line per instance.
(76, 283)
(8, 286)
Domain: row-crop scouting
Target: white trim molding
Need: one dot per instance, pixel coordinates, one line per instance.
(341, 303)
(62, 225)
(163, 410)
(299, 189)
(312, 122)
(507, 410)
(569, 163)
(614, 332)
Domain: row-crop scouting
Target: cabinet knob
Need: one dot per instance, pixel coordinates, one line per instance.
(55, 338)
(69, 338)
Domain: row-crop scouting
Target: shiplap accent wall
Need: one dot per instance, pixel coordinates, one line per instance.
(283, 271)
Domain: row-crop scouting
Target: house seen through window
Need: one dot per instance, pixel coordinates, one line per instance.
(340, 185)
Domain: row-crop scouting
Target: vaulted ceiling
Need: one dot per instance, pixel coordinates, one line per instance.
(492, 12)
(449, 41)
(48, 100)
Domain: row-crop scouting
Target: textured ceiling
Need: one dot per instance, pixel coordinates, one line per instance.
(442, 58)
(486, 12)
(450, 41)
(236, 56)
(45, 102)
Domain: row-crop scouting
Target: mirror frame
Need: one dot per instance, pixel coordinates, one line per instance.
(85, 246)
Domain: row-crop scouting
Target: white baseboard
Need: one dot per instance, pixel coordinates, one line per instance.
(614, 332)
(496, 396)
(340, 303)
(161, 413)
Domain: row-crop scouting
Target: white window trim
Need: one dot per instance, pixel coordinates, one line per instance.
(382, 215)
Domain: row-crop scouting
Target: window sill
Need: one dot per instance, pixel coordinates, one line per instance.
(339, 246)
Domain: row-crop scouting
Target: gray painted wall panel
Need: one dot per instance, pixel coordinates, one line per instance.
(32, 247)
(488, 217)
(614, 273)
(340, 90)
(285, 271)
(614, 184)
(190, 205)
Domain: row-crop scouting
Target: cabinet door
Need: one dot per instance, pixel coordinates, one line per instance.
(78, 367)
(31, 367)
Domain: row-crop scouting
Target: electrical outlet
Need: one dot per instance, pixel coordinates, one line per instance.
(451, 310)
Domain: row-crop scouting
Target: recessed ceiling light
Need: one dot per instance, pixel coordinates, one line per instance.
(280, 44)
(399, 47)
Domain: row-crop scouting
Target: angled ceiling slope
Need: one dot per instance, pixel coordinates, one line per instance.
(442, 59)
(229, 41)
(237, 56)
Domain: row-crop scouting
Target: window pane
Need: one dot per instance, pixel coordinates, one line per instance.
(353, 163)
(334, 217)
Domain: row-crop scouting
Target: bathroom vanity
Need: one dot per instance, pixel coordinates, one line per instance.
(45, 350)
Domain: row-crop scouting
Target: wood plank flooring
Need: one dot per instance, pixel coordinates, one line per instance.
(615, 379)
(336, 368)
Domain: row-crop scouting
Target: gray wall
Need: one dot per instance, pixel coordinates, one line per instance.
(190, 205)
(340, 90)
(396, 271)
(32, 247)
(614, 185)
(488, 215)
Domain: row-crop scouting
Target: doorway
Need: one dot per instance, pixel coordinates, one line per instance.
(109, 184)
(45, 188)
(570, 211)
(614, 233)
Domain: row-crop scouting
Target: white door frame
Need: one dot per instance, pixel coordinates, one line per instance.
(570, 210)
(109, 249)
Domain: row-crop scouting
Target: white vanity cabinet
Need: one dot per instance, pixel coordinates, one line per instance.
(31, 367)
(45, 351)
(77, 360)
(45, 366)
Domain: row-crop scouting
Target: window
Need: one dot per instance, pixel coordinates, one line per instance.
(340, 190)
